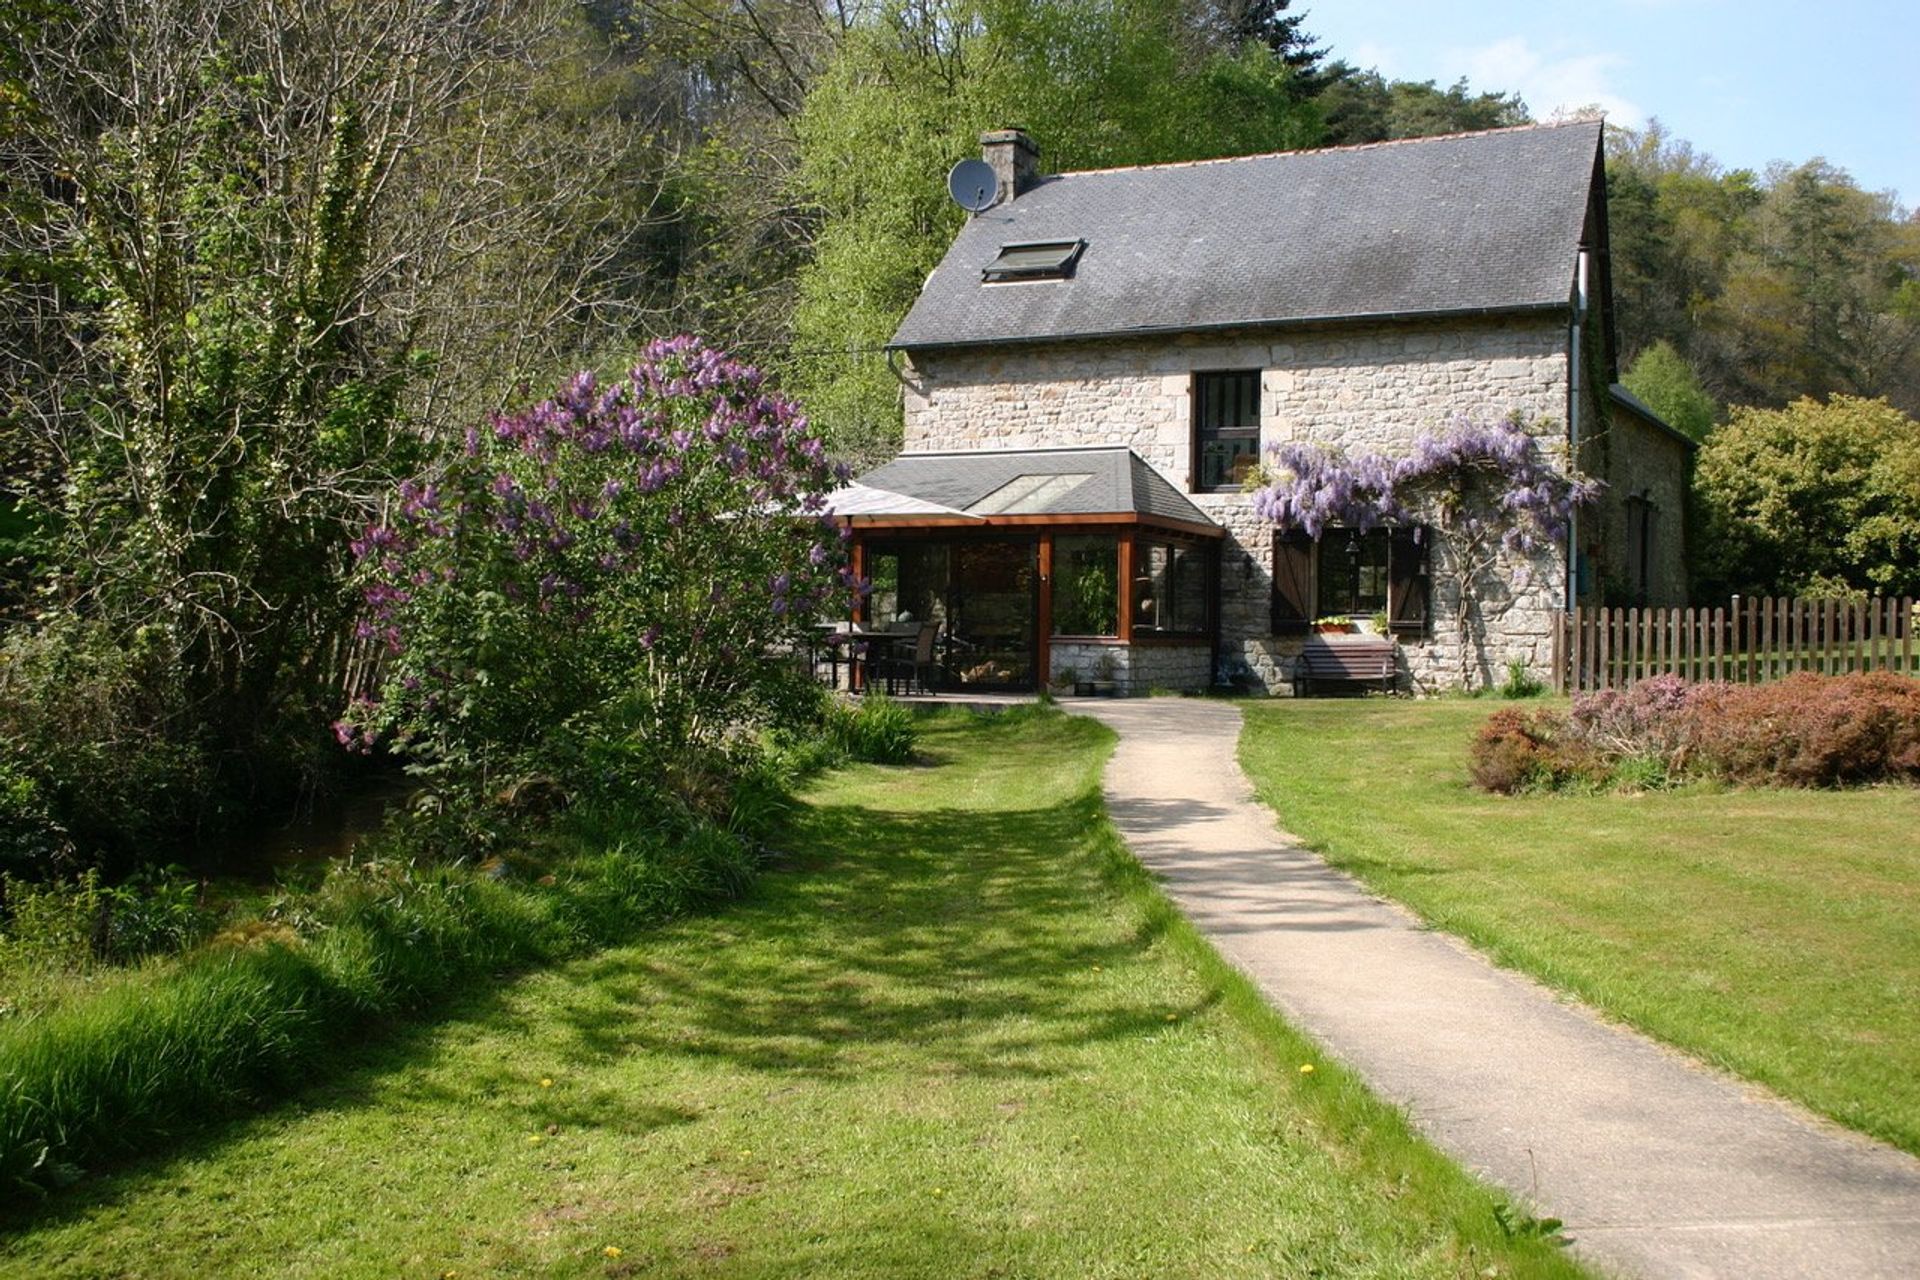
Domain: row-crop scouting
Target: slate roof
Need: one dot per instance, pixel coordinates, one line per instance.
(1118, 482)
(1478, 223)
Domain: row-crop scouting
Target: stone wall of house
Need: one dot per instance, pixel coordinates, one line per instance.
(1374, 387)
(1638, 460)
(1135, 669)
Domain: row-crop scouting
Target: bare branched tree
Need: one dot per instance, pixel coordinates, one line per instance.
(255, 257)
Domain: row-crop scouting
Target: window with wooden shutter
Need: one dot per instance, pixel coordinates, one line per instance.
(1350, 579)
(1292, 581)
(1409, 581)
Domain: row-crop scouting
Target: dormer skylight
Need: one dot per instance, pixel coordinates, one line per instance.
(1039, 260)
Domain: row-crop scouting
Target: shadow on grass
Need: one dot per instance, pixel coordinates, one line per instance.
(386, 1047)
(953, 933)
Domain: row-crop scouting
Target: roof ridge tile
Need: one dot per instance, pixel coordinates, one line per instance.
(1348, 149)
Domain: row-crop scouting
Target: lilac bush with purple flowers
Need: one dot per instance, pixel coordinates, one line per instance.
(1485, 486)
(594, 584)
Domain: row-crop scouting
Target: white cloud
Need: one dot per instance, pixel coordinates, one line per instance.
(1369, 56)
(1551, 83)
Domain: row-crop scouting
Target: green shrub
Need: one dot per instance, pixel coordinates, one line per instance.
(31, 840)
(1520, 682)
(91, 762)
(1641, 773)
(71, 924)
(874, 729)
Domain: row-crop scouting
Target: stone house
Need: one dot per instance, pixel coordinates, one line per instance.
(1101, 356)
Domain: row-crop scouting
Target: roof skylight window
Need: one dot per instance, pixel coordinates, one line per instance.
(1029, 494)
(1040, 260)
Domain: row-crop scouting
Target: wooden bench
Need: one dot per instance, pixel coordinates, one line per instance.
(1345, 660)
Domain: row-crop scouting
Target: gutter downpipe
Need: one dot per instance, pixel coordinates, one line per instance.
(1577, 362)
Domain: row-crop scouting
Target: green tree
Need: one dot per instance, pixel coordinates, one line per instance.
(1363, 106)
(1793, 284)
(909, 93)
(1674, 221)
(254, 260)
(1662, 377)
(1812, 498)
(1825, 294)
(1268, 24)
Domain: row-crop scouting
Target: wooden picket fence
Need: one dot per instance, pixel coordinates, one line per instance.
(1750, 640)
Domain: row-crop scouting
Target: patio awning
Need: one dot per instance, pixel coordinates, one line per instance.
(1102, 484)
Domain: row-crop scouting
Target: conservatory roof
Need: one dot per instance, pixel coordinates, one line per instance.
(1025, 486)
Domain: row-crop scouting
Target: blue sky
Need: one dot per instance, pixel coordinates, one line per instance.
(1747, 82)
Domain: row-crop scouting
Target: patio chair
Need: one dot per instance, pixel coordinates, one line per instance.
(915, 668)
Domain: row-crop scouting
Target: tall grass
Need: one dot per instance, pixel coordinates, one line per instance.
(150, 1052)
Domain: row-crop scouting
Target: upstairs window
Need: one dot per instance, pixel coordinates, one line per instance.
(1040, 260)
(1226, 428)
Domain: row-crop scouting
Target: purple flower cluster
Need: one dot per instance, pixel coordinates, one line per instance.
(1472, 476)
(1317, 487)
(355, 730)
(617, 500)
(1646, 718)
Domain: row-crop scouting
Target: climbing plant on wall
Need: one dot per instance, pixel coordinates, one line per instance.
(1488, 490)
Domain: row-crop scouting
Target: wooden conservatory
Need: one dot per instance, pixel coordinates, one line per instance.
(1009, 570)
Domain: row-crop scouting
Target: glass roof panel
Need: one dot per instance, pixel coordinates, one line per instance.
(1028, 495)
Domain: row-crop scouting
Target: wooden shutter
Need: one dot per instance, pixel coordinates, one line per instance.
(1409, 584)
(1292, 582)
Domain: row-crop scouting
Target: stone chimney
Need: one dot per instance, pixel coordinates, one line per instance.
(1015, 160)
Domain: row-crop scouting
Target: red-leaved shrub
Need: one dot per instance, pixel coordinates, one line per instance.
(1804, 731)
(1809, 730)
(1519, 750)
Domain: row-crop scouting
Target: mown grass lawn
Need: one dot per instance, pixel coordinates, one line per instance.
(954, 1033)
(1773, 933)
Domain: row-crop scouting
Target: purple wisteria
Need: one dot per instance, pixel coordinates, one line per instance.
(1485, 486)
(1474, 479)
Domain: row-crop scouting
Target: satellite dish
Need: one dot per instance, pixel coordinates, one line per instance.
(973, 186)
